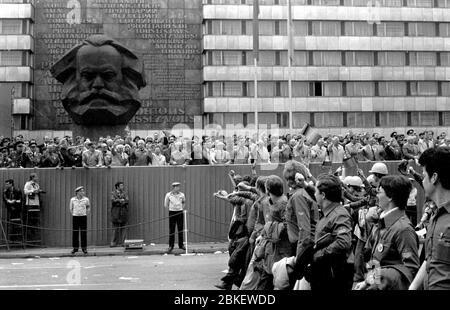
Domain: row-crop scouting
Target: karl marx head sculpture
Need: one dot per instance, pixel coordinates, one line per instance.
(101, 79)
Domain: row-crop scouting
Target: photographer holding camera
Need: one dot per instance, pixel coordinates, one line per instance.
(32, 192)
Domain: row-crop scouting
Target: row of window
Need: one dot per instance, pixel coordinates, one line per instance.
(22, 90)
(15, 26)
(270, 89)
(27, 1)
(333, 119)
(381, 3)
(329, 28)
(328, 58)
(15, 58)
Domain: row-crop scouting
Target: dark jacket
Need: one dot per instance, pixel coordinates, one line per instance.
(302, 214)
(14, 194)
(437, 249)
(330, 269)
(393, 246)
(119, 209)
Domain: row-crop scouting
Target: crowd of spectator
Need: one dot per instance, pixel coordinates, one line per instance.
(166, 149)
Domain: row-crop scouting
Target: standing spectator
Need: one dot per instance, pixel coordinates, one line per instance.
(119, 214)
(318, 152)
(5, 161)
(368, 150)
(220, 156)
(140, 156)
(392, 149)
(261, 154)
(392, 249)
(379, 148)
(50, 158)
(353, 148)
(336, 151)
(410, 149)
(72, 158)
(32, 191)
(240, 152)
(119, 157)
(158, 158)
(175, 202)
(179, 156)
(92, 157)
(426, 142)
(106, 155)
(434, 274)
(301, 152)
(79, 207)
(32, 157)
(330, 270)
(12, 197)
(197, 152)
(18, 156)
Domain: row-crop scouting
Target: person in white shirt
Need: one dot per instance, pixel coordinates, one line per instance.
(158, 158)
(174, 201)
(79, 207)
(32, 191)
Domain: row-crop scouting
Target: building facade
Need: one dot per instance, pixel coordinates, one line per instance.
(362, 64)
(366, 65)
(16, 64)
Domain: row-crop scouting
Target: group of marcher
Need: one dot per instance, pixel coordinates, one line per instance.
(165, 149)
(341, 232)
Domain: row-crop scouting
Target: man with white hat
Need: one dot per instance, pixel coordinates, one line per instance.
(80, 207)
(174, 201)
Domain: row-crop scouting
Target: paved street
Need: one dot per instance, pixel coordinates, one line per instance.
(168, 272)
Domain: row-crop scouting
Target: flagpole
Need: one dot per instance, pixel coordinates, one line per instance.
(256, 96)
(256, 57)
(290, 56)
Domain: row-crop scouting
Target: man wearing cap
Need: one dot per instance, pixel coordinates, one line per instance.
(79, 207)
(174, 201)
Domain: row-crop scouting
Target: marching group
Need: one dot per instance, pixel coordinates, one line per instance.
(165, 149)
(341, 233)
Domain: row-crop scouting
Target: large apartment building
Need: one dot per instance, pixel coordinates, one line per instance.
(377, 65)
(16, 63)
(365, 64)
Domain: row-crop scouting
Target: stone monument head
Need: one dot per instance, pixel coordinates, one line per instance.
(101, 80)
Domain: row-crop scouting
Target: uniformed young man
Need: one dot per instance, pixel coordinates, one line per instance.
(174, 201)
(435, 271)
(392, 248)
(333, 239)
(79, 207)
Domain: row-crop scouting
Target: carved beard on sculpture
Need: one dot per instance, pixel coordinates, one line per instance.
(100, 107)
(101, 80)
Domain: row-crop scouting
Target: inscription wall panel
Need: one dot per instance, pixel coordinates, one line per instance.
(166, 34)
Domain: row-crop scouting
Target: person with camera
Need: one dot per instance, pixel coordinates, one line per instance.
(391, 252)
(32, 192)
(434, 274)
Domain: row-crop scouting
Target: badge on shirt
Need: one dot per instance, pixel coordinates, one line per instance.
(380, 248)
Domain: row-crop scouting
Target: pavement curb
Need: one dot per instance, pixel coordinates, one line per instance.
(120, 252)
